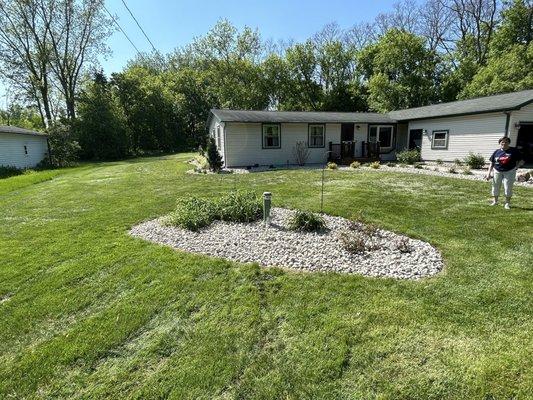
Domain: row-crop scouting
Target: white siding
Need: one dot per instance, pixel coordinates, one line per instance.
(525, 114)
(12, 150)
(244, 144)
(472, 133)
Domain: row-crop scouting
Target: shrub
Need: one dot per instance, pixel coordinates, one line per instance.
(403, 245)
(301, 153)
(307, 221)
(457, 162)
(439, 161)
(467, 171)
(64, 150)
(7, 171)
(408, 156)
(475, 161)
(452, 170)
(355, 164)
(213, 156)
(375, 165)
(240, 206)
(192, 213)
(352, 242)
(331, 165)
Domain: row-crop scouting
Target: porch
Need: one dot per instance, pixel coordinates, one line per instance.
(345, 153)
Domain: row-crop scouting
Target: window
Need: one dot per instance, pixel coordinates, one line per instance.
(382, 134)
(271, 136)
(439, 140)
(316, 135)
(25, 149)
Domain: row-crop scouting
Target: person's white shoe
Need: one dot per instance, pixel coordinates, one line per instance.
(507, 206)
(494, 203)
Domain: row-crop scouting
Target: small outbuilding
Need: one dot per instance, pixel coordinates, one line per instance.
(22, 148)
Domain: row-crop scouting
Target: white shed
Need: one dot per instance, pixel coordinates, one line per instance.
(22, 148)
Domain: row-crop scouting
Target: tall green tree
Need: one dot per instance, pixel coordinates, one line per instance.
(399, 71)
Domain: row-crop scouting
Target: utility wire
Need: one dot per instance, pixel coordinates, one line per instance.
(122, 30)
(139, 25)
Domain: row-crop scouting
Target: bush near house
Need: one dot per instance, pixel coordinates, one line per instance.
(213, 156)
(331, 165)
(355, 164)
(375, 165)
(408, 156)
(474, 161)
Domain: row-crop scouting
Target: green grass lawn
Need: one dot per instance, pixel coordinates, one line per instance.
(87, 311)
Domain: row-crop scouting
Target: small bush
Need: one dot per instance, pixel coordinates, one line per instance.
(64, 150)
(457, 162)
(403, 245)
(375, 165)
(238, 206)
(439, 161)
(331, 165)
(355, 164)
(307, 221)
(192, 213)
(475, 161)
(352, 242)
(452, 170)
(467, 171)
(408, 156)
(213, 156)
(6, 171)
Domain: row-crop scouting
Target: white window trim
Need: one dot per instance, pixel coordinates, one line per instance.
(263, 144)
(378, 128)
(323, 126)
(446, 138)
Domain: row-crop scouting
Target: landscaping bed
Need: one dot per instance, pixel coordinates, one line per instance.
(380, 253)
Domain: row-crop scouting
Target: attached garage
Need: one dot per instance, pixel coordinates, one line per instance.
(22, 148)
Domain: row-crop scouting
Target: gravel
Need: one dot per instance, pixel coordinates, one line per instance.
(276, 246)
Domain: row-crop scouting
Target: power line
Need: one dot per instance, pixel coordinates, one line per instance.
(139, 25)
(122, 30)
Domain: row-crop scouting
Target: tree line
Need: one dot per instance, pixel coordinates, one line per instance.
(414, 55)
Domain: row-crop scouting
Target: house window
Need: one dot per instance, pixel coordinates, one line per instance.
(271, 136)
(439, 140)
(382, 134)
(316, 135)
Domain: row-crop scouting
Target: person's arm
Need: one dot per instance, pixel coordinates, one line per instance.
(491, 167)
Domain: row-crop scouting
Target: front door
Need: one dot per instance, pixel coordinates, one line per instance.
(347, 132)
(524, 142)
(415, 139)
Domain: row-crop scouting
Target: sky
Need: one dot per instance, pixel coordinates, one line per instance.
(171, 24)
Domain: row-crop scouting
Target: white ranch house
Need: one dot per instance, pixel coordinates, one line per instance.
(445, 131)
(22, 148)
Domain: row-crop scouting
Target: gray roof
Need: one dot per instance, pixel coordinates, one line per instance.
(500, 102)
(300, 116)
(20, 131)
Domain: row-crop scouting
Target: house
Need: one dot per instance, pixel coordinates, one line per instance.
(445, 131)
(22, 148)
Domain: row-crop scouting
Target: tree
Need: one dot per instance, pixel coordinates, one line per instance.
(64, 148)
(101, 127)
(400, 71)
(213, 156)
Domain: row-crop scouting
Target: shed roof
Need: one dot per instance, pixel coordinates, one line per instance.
(300, 116)
(19, 131)
(500, 102)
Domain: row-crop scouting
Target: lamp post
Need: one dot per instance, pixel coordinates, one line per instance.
(322, 190)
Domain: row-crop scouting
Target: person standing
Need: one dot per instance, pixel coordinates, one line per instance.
(504, 162)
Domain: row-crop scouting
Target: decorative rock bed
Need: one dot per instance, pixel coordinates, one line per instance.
(275, 245)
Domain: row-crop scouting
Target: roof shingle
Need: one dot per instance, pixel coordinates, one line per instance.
(19, 131)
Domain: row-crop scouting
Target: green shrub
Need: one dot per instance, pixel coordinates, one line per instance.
(375, 165)
(331, 165)
(355, 164)
(439, 161)
(213, 156)
(192, 213)
(467, 171)
(6, 171)
(475, 161)
(457, 162)
(408, 156)
(240, 206)
(64, 149)
(307, 221)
